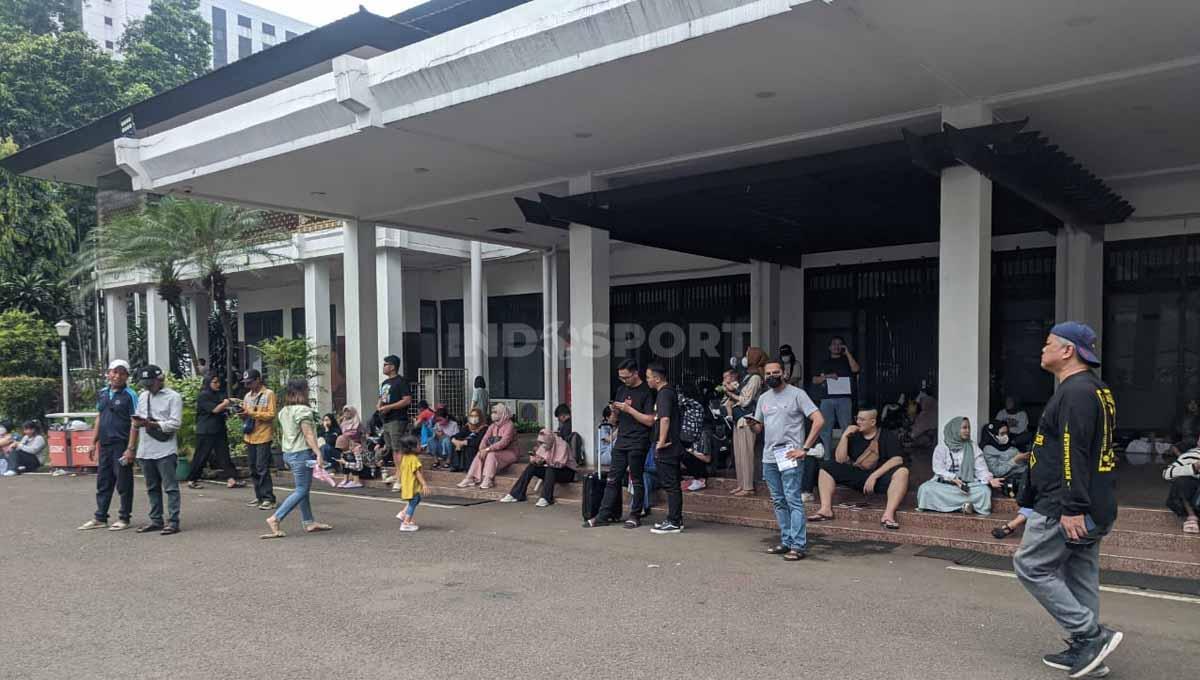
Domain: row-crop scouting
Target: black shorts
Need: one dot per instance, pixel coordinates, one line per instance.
(847, 475)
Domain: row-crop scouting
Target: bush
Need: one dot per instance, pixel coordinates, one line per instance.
(28, 345)
(528, 427)
(286, 358)
(25, 398)
(188, 387)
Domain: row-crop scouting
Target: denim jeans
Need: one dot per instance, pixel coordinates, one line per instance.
(789, 509)
(412, 506)
(297, 462)
(836, 411)
(441, 448)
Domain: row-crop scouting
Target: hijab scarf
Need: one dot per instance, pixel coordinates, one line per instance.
(952, 435)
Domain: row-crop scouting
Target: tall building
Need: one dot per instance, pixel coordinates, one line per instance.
(239, 29)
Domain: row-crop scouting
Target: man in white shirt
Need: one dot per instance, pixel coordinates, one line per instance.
(156, 421)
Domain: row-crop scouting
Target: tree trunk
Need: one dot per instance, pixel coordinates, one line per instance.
(215, 282)
(173, 296)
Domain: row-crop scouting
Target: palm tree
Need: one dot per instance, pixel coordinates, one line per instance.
(150, 240)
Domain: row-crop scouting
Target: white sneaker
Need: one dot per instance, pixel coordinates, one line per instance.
(409, 527)
(92, 524)
(58, 473)
(118, 525)
(10, 473)
(389, 479)
(808, 497)
(508, 498)
(968, 508)
(396, 486)
(400, 515)
(542, 503)
(697, 484)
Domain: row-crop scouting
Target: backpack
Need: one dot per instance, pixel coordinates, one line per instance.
(692, 422)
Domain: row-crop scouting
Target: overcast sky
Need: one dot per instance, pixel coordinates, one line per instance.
(321, 12)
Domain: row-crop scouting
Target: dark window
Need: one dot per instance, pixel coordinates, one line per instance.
(1022, 312)
(428, 356)
(261, 326)
(244, 22)
(108, 21)
(288, 35)
(452, 334)
(220, 48)
(108, 44)
(245, 47)
(268, 29)
(515, 366)
(298, 322)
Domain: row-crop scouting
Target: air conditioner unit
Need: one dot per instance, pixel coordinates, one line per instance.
(531, 411)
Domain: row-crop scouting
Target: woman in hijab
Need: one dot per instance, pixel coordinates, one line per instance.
(742, 403)
(212, 441)
(497, 450)
(961, 480)
(1005, 461)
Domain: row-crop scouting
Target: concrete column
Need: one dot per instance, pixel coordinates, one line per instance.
(390, 306)
(475, 331)
(316, 328)
(562, 316)
(137, 308)
(362, 332)
(198, 313)
(591, 343)
(1079, 276)
(158, 335)
(287, 330)
(964, 284)
(116, 315)
(549, 338)
(764, 306)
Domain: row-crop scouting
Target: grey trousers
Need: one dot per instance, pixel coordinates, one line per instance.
(160, 477)
(1064, 578)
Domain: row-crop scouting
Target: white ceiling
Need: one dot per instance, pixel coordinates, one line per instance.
(841, 75)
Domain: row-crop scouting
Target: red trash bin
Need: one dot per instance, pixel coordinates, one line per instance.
(60, 452)
(83, 449)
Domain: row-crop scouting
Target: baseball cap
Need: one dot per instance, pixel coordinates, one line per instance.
(1082, 336)
(251, 375)
(118, 363)
(149, 372)
(392, 359)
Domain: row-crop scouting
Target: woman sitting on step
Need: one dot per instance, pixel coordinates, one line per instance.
(497, 450)
(552, 461)
(1007, 463)
(961, 480)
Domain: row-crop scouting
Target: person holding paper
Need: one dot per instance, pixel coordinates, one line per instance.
(781, 416)
(837, 377)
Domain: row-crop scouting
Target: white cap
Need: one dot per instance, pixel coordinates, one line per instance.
(119, 363)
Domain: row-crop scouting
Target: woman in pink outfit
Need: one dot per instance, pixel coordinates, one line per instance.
(497, 450)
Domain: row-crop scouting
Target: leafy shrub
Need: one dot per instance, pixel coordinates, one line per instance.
(28, 345)
(287, 358)
(24, 397)
(528, 427)
(188, 387)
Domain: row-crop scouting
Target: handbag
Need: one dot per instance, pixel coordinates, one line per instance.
(869, 458)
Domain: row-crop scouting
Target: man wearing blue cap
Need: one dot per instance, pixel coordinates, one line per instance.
(1071, 479)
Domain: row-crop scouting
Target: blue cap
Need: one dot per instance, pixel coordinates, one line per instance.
(1082, 336)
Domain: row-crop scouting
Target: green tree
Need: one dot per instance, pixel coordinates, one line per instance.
(171, 46)
(41, 16)
(27, 345)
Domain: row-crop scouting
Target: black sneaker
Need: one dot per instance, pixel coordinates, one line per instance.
(1065, 659)
(632, 523)
(254, 503)
(666, 528)
(1093, 651)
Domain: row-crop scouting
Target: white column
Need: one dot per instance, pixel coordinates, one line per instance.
(198, 313)
(764, 306)
(287, 330)
(549, 338)
(1079, 276)
(362, 334)
(158, 335)
(562, 316)
(116, 316)
(964, 284)
(390, 305)
(591, 343)
(475, 333)
(316, 328)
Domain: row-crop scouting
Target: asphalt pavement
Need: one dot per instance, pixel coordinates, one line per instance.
(507, 591)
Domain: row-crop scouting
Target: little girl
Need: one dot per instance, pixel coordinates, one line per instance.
(412, 482)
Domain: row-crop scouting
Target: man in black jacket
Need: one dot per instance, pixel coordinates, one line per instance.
(1070, 489)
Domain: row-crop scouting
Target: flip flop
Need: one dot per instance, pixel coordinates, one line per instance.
(794, 556)
(277, 534)
(818, 517)
(317, 526)
(890, 525)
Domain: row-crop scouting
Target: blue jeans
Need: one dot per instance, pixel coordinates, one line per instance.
(789, 509)
(649, 483)
(412, 505)
(297, 462)
(441, 448)
(835, 410)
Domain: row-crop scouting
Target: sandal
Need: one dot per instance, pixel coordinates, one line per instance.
(1003, 532)
(195, 485)
(777, 550)
(317, 526)
(148, 528)
(890, 524)
(276, 532)
(818, 517)
(169, 530)
(794, 555)
(1191, 526)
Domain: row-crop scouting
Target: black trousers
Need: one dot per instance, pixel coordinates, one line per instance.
(22, 459)
(259, 456)
(626, 462)
(1185, 493)
(667, 463)
(694, 467)
(111, 474)
(212, 449)
(550, 477)
(809, 469)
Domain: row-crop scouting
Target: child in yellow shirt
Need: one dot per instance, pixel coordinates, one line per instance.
(412, 482)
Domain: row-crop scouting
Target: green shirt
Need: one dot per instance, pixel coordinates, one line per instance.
(291, 436)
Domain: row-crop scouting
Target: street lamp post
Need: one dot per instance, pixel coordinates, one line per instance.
(64, 331)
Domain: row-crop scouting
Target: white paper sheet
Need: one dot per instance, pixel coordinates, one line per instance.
(837, 387)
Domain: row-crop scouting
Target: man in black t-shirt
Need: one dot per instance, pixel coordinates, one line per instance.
(836, 403)
(635, 407)
(852, 467)
(1072, 470)
(394, 400)
(667, 447)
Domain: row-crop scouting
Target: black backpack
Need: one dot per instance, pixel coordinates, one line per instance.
(692, 419)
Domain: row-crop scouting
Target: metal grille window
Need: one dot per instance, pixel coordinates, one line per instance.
(515, 364)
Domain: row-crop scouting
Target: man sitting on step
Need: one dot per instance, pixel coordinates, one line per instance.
(868, 459)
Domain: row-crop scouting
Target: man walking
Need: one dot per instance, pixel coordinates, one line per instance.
(114, 424)
(837, 377)
(395, 397)
(1071, 477)
(156, 421)
(667, 447)
(781, 415)
(634, 405)
(258, 426)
